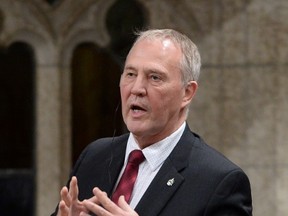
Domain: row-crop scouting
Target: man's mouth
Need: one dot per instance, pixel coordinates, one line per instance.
(137, 108)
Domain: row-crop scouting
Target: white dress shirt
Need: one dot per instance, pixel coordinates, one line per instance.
(155, 156)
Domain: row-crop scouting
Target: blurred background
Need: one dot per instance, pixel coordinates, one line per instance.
(60, 63)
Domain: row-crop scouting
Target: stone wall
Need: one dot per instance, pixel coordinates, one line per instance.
(241, 103)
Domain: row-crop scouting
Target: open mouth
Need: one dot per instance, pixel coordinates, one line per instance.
(137, 108)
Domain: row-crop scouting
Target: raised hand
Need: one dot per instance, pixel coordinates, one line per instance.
(70, 204)
(105, 207)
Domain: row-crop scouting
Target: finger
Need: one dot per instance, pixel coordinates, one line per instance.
(73, 190)
(95, 208)
(94, 199)
(84, 214)
(105, 201)
(124, 205)
(65, 196)
(63, 209)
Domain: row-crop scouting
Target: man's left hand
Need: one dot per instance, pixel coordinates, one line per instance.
(106, 207)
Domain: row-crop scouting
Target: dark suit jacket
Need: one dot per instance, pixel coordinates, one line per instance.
(205, 182)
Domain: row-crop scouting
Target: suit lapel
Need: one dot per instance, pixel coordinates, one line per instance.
(159, 192)
(114, 164)
(168, 179)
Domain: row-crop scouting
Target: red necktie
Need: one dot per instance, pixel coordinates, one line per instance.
(126, 183)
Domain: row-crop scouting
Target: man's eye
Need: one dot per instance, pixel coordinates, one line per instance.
(155, 77)
(130, 74)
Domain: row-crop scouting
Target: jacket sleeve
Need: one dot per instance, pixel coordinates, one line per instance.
(73, 172)
(232, 197)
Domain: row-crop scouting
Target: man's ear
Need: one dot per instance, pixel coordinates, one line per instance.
(190, 90)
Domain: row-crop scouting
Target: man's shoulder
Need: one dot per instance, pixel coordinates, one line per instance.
(100, 149)
(107, 142)
(205, 155)
(212, 158)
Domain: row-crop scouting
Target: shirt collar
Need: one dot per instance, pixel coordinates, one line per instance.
(156, 153)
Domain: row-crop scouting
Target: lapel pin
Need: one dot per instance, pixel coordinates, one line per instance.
(170, 182)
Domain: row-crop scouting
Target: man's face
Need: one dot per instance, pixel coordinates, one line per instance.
(152, 93)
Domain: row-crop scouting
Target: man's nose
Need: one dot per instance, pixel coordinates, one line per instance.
(139, 86)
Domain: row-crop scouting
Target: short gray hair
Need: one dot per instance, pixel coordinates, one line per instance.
(191, 61)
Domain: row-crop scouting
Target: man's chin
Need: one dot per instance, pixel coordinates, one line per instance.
(136, 128)
(136, 131)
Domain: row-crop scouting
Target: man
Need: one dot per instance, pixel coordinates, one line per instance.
(181, 174)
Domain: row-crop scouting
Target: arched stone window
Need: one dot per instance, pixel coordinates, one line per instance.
(95, 96)
(17, 129)
(96, 74)
(123, 18)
